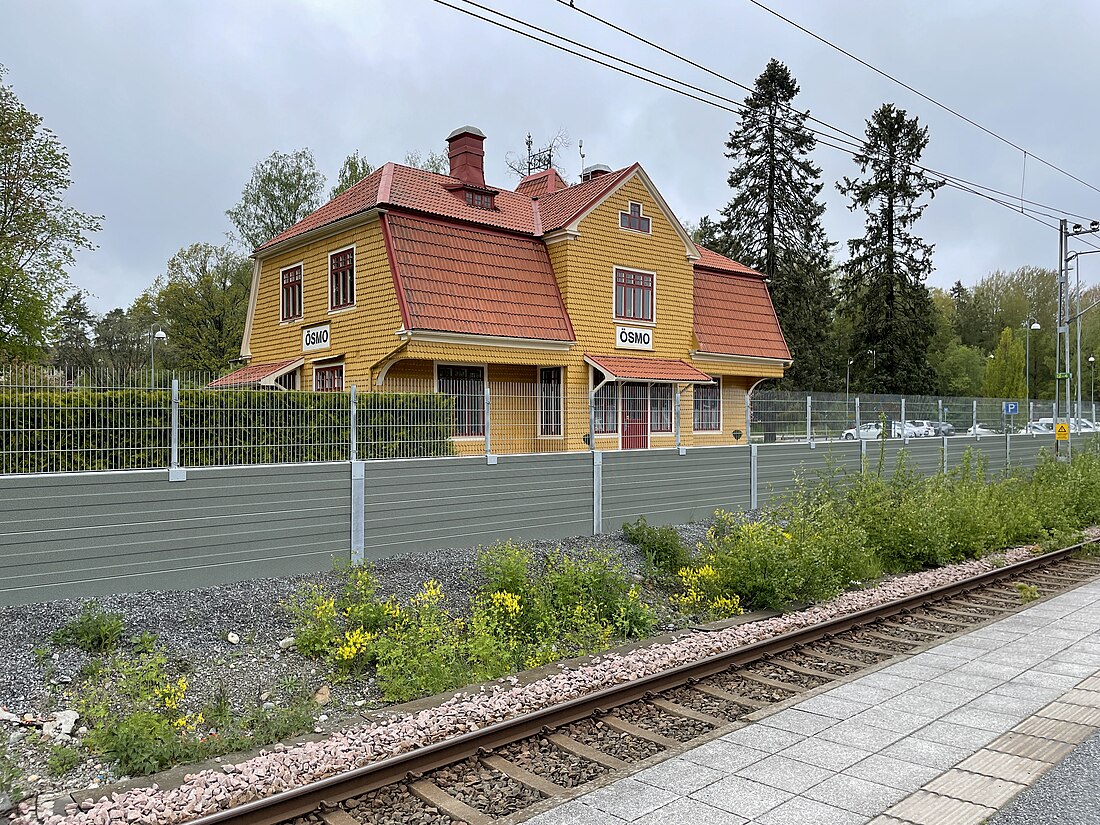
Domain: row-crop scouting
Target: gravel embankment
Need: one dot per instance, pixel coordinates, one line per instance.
(285, 767)
(194, 626)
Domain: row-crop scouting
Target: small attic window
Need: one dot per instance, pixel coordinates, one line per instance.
(634, 220)
(479, 200)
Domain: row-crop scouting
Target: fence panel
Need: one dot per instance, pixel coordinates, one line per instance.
(668, 488)
(779, 466)
(1026, 450)
(424, 505)
(63, 536)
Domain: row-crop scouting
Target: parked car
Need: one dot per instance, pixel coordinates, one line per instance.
(937, 427)
(908, 430)
(1037, 428)
(925, 429)
(866, 432)
(980, 429)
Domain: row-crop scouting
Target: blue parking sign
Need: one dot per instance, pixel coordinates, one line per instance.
(1011, 407)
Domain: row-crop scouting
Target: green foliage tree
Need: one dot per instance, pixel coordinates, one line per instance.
(121, 342)
(283, 189)
(432, 162)
(39, 234)
(202, 299)
(72, 336)
(773, 222)
(1004, 375)
(353, 170)
(883, 286)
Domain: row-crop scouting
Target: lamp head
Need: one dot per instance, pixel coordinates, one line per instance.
(161, 335)
(1092, 359)
(1035, 325)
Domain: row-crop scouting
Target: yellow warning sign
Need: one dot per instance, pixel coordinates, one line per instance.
(1061, 432)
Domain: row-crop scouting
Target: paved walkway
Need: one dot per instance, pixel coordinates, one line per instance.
(923, 741)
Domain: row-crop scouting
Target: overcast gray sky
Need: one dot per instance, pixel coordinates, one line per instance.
(165, 107)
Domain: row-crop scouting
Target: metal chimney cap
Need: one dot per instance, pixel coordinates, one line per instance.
(596, 167)
(466, 130)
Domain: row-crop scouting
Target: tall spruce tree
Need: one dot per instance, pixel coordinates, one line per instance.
(889, 308)
(773, 222)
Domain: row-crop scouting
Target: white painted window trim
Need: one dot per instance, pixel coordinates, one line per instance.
(354, 279)
(561, 403)
(718, 431)
(614, 288)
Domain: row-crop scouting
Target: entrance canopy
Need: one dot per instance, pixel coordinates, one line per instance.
(656, 370)
(263, 375)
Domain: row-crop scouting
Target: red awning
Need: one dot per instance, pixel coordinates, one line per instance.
(642, 368)
(253, 374)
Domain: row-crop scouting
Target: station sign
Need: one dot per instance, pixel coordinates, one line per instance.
(633, 338)
(315, 338)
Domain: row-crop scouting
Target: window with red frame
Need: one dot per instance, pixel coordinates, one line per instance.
(467, 385)
(634, 220)
(479, 200)
(633, 295)
(706, 407)
(292, 293)
(341, 267)
(328, 379)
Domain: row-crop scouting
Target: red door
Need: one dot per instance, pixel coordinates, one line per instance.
(635, 416)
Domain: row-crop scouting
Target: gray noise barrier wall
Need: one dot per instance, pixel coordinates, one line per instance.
(668, 488)
(418, 505)
(1026, 450)
(88, 534)
(780, 465)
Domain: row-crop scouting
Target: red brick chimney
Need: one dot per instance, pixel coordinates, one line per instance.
(467, 155)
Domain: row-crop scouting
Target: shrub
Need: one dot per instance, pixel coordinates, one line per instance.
(140, 743)
(93, 631)
(62, 759)
(661, 546)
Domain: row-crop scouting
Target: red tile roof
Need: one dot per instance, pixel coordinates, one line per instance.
(463, 279)
(540, 183)
(647, 368)
(359, 198)
(712, 260)
(734, 316)
(561, 208)
(251, 374)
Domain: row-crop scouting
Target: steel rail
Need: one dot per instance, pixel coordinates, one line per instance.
(332, 790)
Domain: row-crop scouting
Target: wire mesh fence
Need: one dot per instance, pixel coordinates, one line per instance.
(776, 416)
(63, 422)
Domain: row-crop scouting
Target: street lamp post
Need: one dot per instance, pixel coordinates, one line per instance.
(1092, 389)
(1028, 326)
(159, 335)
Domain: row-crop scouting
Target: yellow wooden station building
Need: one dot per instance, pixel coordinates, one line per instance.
(550, 311)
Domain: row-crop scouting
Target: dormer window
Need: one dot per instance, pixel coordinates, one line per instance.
(479, 200)
(633, 219)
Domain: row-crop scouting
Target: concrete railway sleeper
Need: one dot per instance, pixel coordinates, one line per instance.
(497, 774)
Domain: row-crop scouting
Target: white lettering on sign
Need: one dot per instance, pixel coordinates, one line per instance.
(315, 338)
(633, 338)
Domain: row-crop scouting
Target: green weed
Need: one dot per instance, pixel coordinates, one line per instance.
(93, 631)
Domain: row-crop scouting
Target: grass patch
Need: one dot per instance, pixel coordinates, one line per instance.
(93, 631)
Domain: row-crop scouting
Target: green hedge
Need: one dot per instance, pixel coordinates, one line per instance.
(80, 429)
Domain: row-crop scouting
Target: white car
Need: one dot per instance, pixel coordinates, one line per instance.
(910, 430)
(1037, 428)
(980, 429)
(925, 429)
(867, 432)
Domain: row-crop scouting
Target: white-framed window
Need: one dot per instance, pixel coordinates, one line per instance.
(290, 301)
(660, 408)
(341, 278)
(706, 407)
(328, 379)
(467, 384)
(550, 401)
(605, 404)
(633, 295)
(633, 219)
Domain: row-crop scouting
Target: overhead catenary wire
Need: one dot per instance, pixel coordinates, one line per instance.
(923, 96)
(694, 92)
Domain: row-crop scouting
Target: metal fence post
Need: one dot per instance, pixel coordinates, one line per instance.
(809, 425)
(975, 429)
(904, 432)
(858, 434)
(1008, 452)
(748, 419)
(944, 454)
(175, 471)
(1031, 418)
(939, 411)
(676, 417)
(358, 511)
(489, 457)
(353, 447)
(862, 455)
(752, 476)
(597, 492)
(592, 421)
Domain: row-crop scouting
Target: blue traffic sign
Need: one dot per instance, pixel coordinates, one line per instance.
(1011, 407)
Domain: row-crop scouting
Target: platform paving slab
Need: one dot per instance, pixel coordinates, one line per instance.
(945, 737)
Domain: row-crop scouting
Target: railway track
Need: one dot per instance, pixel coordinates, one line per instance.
(507, 771)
